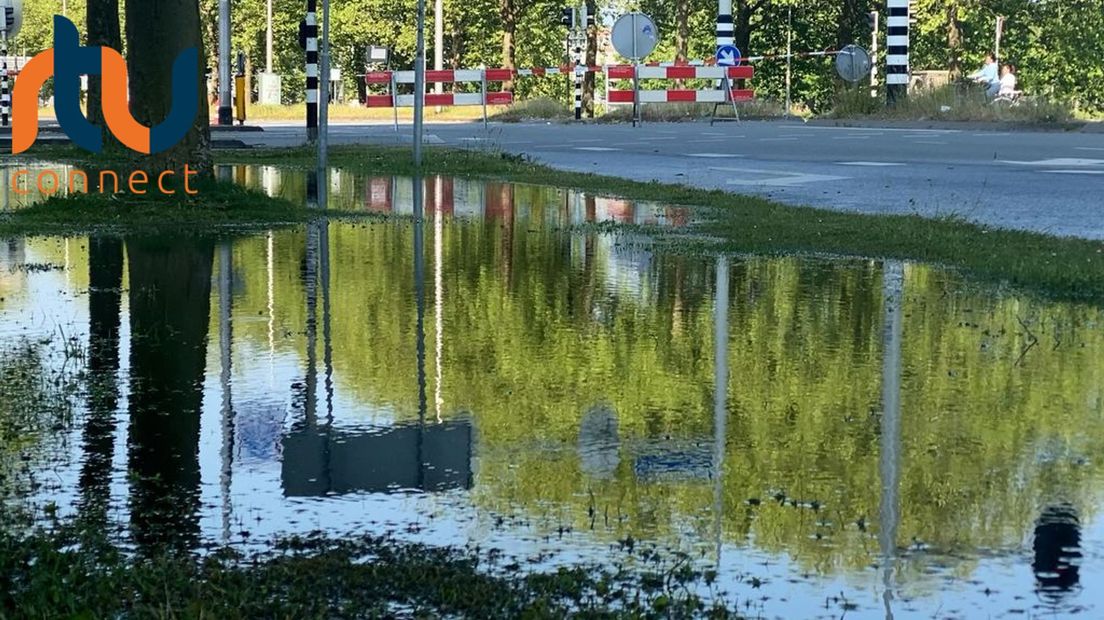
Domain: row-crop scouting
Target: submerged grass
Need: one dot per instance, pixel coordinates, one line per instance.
(70, 572)
(1062, 267)
(217, 206)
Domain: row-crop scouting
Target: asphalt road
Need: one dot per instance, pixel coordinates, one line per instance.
(1040, 181)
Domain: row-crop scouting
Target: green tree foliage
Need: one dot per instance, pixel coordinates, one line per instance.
(1055, 43)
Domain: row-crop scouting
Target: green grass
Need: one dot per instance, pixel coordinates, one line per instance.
(217, 206)
(948, 103)
(72, 572)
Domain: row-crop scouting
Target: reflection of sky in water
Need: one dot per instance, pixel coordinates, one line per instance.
(251, 500)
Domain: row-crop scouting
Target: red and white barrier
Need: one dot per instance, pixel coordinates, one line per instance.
(676, 95)
(484, 97)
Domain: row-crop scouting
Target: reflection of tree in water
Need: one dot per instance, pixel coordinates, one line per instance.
(1057, 550)
(105, 278)
(170, 292)
(599, 443)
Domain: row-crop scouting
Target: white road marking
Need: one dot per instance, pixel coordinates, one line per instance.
(778, 139)
(713, 155)
(930, 142)
(870, 164)
(776, 178)
(581, 141)
(1064, 162)
(879, 129)
(1090, 148)
(851, 138)
(1074, 171)
(595, 148)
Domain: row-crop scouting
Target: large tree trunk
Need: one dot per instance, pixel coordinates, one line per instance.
(170, 293)
(103, 30)
(852, 22)
(682, 30)
(509, 12)
(157, 32)
(954, 40)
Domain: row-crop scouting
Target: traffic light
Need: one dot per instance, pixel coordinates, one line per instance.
(590, 20)
(567, 17)
(872, 20)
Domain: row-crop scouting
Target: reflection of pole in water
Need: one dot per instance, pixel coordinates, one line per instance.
(271, 311)
(720, 393)
(889, 514)
(225, 335)
(327, 343)
(439, 304)
(419, 296)
(310, 270)
(1057, 549)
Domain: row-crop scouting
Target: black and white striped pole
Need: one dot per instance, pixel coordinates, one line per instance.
(310, 32)
(5, 90)
(897, 50)
(725, 31)
(11, 18)
(580, 56)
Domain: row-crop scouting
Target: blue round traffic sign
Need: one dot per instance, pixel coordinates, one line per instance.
(728, 56)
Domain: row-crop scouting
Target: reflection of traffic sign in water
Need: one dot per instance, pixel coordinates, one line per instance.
(634, 35)
(320, 461)
(853, 63)
(728, 56)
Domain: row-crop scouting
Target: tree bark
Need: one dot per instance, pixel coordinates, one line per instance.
(102, 21)
(954, 40)
(509, 13)
(852, 22)
(682, 30)
(157, 32)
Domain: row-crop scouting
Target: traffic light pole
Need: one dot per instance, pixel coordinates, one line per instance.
(225, 110)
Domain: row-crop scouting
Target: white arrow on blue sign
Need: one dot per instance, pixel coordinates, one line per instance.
(728, 56)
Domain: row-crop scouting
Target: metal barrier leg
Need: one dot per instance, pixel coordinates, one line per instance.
(637, 116)
(395, 102)
(483, 74)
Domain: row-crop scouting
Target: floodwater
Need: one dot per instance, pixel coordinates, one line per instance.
(837, 437)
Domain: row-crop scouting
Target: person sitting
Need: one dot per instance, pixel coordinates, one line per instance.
(1008, 83)
(989, 75)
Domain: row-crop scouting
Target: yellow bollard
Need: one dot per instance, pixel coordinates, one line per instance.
(240, 98)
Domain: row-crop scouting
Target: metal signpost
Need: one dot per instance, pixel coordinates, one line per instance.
(11, 18)
(727, 56)
(634, 36)
(419, 83)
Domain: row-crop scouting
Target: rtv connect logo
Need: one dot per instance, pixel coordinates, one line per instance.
(66, 63)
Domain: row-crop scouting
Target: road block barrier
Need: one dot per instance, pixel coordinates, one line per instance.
(726, 94)
(484, 97)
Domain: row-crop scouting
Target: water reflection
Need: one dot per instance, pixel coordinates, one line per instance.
(811, 427)
(1057, 550)
(169, 305)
